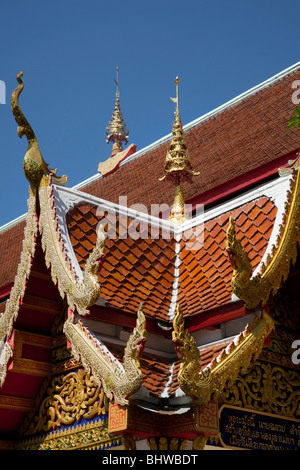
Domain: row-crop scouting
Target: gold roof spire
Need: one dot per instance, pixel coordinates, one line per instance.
(117, 131)
(178, 165)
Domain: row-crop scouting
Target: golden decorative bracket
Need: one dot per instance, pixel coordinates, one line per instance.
(118, 381)
(209, 383)
(256, 291)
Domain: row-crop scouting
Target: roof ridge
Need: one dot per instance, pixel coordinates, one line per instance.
(13, 222)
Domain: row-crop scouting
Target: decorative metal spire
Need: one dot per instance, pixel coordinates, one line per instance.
(178, 165)
(117, 131)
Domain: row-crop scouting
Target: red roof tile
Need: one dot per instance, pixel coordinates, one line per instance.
(207, 272)
(10, 248)
(143, 270)
(241, 138)
(132, 272)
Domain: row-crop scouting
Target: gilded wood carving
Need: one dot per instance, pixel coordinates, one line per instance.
(256, 291)
(223, 370)
(34, 164)
(119, 381)
(69, 399)
(80, 293)
(18, 290)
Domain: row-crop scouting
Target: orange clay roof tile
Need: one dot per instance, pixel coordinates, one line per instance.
(210, 271)
(144, 269)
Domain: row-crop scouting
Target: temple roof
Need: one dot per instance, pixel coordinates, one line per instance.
(237, 151)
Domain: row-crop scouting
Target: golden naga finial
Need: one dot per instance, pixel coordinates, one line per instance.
(34, 165)
(237, 357)
(117, 131)
(178, 165)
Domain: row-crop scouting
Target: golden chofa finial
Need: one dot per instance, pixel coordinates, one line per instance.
(117, 132)
(178, 165)
(34, 164)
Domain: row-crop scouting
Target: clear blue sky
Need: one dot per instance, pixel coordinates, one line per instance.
(69, 51)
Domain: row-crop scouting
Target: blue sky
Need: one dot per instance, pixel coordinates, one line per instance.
(69, 51)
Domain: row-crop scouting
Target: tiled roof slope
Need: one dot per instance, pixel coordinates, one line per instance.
(10, 249)
(233, 142)
(205, 275)
(142, 270)
(134, 271)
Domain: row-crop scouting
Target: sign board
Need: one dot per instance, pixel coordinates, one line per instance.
(249, 429)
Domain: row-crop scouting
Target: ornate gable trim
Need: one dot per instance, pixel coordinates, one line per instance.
(256, 291)
(18, 290)
(81, 294)
(119, 381)
(237, 356)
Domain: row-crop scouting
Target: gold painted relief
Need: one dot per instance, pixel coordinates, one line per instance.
(267, 387)
(91, 436)
(69, 399)
(72, 415)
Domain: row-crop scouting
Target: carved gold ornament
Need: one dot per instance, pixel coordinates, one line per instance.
(255, 291)
(223, 370)
(119, 381)
(80, 294)
(128, 442)
(69, 399)
(200, 442)
(34, 165)
(178, 165)
(166, 443)
(267, 387)
(17, 292)
(116, 131)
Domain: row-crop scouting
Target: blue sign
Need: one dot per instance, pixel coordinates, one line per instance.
(248, 429)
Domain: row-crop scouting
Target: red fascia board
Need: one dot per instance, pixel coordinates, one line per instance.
(125, 319)
(242, 183)
(215, 317)
(210, 319)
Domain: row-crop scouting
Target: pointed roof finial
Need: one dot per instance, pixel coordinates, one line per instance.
(176, 100)
(117, 131)
(117, 82)
(178, 165)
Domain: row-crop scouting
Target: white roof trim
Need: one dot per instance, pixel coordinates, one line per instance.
(12, 223)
